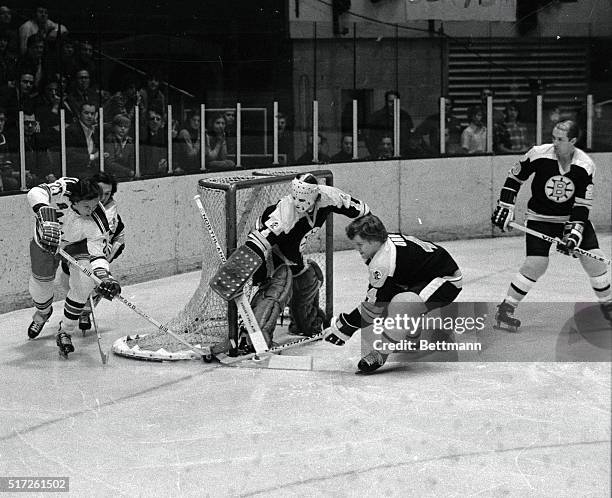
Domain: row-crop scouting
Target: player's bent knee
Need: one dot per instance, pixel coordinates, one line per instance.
(406, 297)
(80, 286)
(534, 267)
(41, 291)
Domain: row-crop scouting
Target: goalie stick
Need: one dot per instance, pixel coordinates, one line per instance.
(206, 355)
(554, 240)
(244, 308)
(103, 355)
(230, 360)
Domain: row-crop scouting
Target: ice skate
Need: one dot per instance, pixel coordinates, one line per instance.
(371, 362)
(504, 319)
(38, 322)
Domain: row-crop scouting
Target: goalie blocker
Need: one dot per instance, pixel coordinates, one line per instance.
(232, 276)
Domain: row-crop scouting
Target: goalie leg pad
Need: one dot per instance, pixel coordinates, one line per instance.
(231, 276)
(271, 299)
(306, 315)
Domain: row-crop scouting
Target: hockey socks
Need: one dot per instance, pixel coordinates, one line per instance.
(601, 287)
(519, 287)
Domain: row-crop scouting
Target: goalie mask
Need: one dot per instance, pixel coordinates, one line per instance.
(304, 191)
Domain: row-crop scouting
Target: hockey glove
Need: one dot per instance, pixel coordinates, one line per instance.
(572, 237)
(109, 288)
(48, 231)
(338, 333)
(503, 214)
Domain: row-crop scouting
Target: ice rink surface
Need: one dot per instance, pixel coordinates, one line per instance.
(481, 428)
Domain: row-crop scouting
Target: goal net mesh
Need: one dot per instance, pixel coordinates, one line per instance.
(233, 205)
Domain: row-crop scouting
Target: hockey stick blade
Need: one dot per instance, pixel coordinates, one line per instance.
(224, 359)
(204, 355)
(554, 240)
(103, 355)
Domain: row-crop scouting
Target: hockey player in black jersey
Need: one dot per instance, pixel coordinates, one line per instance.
(402, 269)
(273, 255)
(560, 203)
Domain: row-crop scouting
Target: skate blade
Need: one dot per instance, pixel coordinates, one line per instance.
(506, 328)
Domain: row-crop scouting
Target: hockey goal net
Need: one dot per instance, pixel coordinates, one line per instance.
(232, 205)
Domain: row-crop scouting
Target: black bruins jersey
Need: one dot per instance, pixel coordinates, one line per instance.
(555, 196)
(404, 262)
(281, 228)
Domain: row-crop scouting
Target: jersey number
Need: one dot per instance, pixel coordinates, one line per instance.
(398, 240)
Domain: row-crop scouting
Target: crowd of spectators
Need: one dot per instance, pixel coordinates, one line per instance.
(44, 71)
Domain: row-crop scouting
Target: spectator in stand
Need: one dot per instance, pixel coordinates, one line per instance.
(86, 60)
(151, 95)
(124, 101)
(39, 24)
(39, 168)
(20, 97)
(385, 148)
(8, 30)
(511, 136)
(34, 59)
(188, 145)
(154, 145)
(216, 144)
(120, 149)
(380, 124)
(8, 61)
(83, 144)
(82, 92)
(307, 157)
(474, 137)
(285, 141)
(428, 132)
(345, 155)
(67, 62)
(9, 158)
(48, 109)
(230, 131)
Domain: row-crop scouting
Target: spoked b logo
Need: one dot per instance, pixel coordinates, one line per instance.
(559, 188)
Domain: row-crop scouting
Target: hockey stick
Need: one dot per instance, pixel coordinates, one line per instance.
(554, 240)
(206, 356)
(103, 355)
(244, 307)
(230, 360)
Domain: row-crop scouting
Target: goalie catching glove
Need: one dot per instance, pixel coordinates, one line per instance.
(339, 331)
(572, 237)
(48, 231)
(109, 287)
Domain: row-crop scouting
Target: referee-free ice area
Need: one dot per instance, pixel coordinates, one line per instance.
(478, 428)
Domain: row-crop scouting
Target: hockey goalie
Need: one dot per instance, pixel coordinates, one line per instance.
(272, 257)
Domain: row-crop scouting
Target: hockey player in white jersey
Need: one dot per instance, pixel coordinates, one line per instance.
(68, 215)
(116, 242)
(416, 274)
(280, 233)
